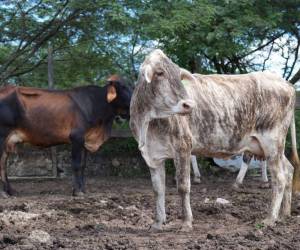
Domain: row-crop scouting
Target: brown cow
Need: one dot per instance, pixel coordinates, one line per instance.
(82, 117)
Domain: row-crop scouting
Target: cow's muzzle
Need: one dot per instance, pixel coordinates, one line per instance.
(184, 107)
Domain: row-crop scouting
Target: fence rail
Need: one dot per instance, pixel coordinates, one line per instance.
(298, 102)
(116, 133)
(125, 133)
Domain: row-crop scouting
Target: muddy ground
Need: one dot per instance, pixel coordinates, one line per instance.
(117, 212)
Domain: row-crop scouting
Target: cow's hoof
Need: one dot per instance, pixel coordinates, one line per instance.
(265, 185)
(186, 227)
(12, 192)
(197, 180)
(269, 222)
(4, 195)
(155, 228)
(284, 215)
(237, 186)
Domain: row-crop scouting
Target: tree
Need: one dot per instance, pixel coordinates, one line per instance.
(25, 29)
(92, 39)
(226, 36)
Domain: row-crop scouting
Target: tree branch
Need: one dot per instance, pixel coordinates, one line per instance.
(22, 50)
(295, 60)
(268, 57)
(262, 46)
(295, 78)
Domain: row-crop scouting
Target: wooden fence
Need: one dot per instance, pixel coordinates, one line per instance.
(125, 133)
(116, 133)
(298, 102)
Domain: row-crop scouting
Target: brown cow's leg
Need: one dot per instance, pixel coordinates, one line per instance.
(158, 182)
(182, 164)
(77, 147)
(7, 190)
(82, 170)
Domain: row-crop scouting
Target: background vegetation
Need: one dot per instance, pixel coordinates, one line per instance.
(95, 38)
(92, 39)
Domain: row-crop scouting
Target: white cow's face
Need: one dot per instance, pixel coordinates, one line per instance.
(168, 95)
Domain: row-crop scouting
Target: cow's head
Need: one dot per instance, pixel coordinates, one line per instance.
(119, 96)
(160, 93)
(165, 86)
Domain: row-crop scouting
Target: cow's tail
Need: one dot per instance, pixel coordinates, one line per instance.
(295, 158)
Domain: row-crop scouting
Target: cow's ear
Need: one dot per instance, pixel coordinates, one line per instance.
(111, 93)
(186, 77)
(148, 73)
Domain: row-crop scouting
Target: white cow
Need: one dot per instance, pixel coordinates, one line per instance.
(237, 163)
(174, 114)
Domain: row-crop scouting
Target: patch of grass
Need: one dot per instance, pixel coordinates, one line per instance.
(259, 225)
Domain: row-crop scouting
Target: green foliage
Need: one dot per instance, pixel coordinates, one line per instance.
(170, 168)
(119, 146)
(92, 39)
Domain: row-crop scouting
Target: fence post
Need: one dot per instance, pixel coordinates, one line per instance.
(51, 86)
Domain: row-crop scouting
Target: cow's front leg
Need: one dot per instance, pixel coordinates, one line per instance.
(158, 178)
(182, 164)
(240, 178)
(84, 153)
(264, 175)
(243, 170)
(77, 147)
(197, 175)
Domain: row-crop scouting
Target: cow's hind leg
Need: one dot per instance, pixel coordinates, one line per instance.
(77, 148)
(158, 182)
(7, 190)
(287, 195)
(182, 164)
(278, 180)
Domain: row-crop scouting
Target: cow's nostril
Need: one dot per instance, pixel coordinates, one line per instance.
(186, 106)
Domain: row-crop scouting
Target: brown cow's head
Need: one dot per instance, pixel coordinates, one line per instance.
(119, 95)
(164, 80)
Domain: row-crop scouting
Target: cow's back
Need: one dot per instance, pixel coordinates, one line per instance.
(39, 117)
(48, 116)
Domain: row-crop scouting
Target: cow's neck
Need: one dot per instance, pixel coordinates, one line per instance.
(94, 107)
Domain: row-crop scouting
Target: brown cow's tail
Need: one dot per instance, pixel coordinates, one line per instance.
(295, 158)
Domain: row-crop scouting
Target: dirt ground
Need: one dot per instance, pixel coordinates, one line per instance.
(117, 212)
